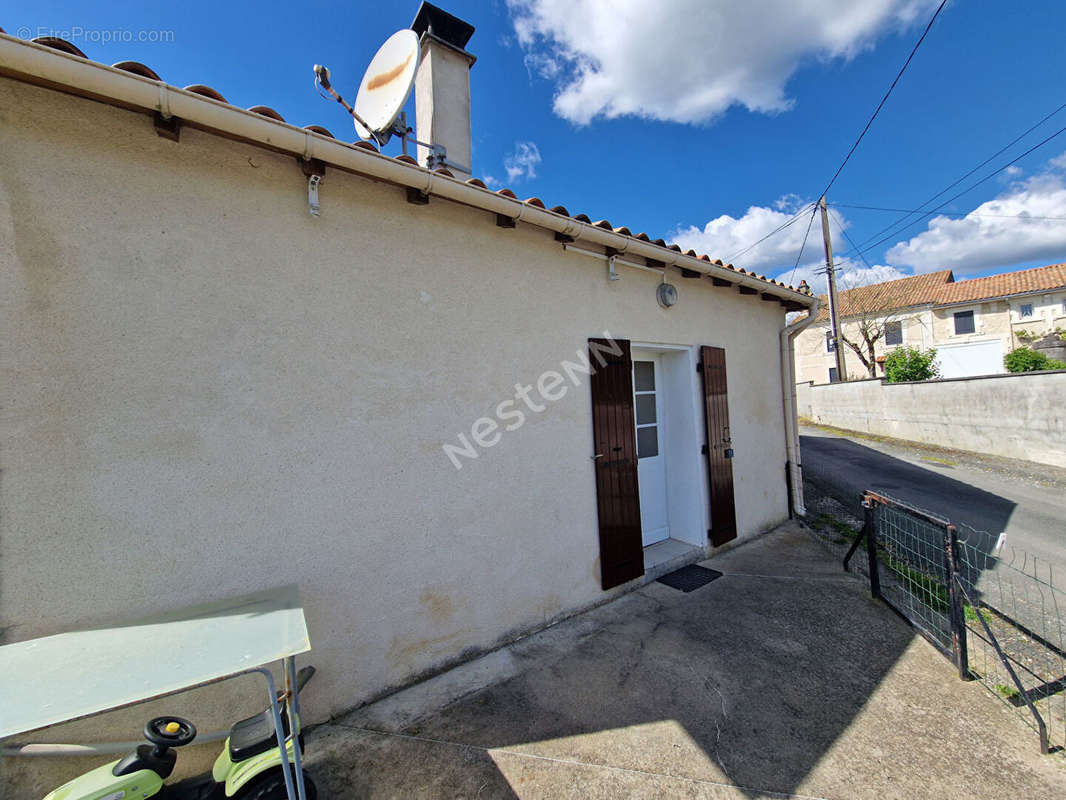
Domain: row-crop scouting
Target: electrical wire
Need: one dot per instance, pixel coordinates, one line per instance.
(810, 222)
(774, 232)
(946, 213)
(955, 197)
(884, 99)
(847, 238)
(959, 180)
(847, 158)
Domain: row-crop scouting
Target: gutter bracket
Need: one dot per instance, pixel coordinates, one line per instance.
(315, 171)
(312, 194)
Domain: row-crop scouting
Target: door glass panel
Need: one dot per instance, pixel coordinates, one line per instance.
(647, 442)
(645, 409)
(644, 376)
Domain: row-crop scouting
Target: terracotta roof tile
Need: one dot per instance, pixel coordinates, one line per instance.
(144, 71)
(916, 290)
(534, 201)
(205, 91)
(941, 288)
(320, 130)
(1009, 283)
(267, 111)
(59, 44)
(137, 68)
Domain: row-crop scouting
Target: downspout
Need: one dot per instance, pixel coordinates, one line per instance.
(788, 396)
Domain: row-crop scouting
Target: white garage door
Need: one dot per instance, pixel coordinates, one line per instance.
(972, 358)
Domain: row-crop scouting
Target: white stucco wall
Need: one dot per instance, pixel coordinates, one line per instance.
(198, 374)
(1017, 416)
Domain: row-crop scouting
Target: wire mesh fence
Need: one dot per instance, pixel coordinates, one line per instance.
(997, 615)
(914, 574)
(1014, 628)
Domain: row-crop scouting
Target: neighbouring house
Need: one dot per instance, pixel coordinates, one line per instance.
(972, 323)
(449, 415)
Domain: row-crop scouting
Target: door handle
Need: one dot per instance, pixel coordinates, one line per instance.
(598, 455)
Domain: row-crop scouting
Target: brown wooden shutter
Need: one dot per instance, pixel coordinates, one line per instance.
(615, 456)
(719, 445)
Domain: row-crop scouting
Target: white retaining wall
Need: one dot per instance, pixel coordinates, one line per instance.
(1019, 416)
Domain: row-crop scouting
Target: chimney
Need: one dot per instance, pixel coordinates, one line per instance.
(442, 89)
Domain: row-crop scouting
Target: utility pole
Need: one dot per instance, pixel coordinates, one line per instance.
(834, 326)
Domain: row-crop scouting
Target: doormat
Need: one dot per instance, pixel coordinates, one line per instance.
(690, 578)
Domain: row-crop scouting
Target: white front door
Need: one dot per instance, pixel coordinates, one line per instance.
(651, 460)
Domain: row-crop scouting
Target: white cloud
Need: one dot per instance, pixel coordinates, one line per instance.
(523, 162)
(725, 237)
(690, 60)
(993, 235)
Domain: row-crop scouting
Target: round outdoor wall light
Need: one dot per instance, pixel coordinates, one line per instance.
(666, 294)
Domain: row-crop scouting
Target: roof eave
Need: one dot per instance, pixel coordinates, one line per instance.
(38, 64)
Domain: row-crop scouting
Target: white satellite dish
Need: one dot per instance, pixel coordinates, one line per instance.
(386, 85)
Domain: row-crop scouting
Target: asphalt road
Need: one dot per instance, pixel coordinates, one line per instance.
(1033, 516)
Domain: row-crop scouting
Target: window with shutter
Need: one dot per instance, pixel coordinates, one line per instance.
(964, 322)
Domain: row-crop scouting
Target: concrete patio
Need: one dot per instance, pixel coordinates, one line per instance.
(780, 679)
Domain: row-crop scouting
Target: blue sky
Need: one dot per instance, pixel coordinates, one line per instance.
(671, 115)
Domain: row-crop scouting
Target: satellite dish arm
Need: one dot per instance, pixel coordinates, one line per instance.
(322, 79)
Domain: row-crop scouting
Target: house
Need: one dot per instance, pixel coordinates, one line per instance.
(449, 415)
(972, 324)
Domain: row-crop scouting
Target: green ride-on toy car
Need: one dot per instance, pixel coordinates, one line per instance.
(248, 768)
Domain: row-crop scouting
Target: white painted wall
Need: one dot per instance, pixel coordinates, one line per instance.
(196, 374)
(1018, 416)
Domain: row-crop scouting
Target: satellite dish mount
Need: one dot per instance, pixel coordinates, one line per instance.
(386, 85)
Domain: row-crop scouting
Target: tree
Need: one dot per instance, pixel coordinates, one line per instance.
(1026, 359)
(866, 313)
(911, 364)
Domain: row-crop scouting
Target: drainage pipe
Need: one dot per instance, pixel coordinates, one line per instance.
(788, 396)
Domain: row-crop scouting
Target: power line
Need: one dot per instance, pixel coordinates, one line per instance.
(810, 222)
(774, 232)
(847, 158)
(955, 197)
(947, 213)
(885, 98)
(847, 238)
(959, 180)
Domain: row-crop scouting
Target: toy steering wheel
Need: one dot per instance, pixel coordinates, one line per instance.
(169, 731)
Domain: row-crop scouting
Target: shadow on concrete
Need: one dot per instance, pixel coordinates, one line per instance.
(758, 682)
(845, 469)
